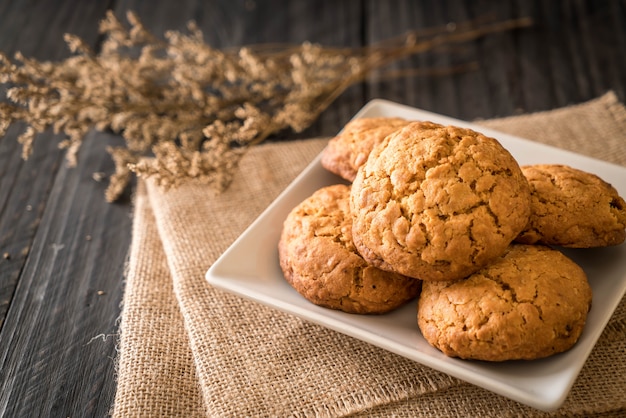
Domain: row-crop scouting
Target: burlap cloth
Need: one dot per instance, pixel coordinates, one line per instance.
(187, 349)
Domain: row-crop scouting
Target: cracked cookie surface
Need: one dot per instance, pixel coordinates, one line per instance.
(319, 260)
(572, 208)
(531, 303)
(437, 202)
(350, 149)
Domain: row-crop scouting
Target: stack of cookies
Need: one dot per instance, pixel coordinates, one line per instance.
(445, 215)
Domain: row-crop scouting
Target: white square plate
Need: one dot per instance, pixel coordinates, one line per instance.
(250, 268)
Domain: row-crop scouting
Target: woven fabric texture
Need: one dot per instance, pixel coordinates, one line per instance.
(187, 349)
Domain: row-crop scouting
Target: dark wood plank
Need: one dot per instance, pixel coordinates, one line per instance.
(445, 72)
(50, 311)
(36, 27)
(602, 43)
(58, 341)
(567, 56)
(25, 185)
(24, 189)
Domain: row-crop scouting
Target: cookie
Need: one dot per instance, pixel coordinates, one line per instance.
(531, 303)
(437, 202)
(572, 208)
(319, 260)
(348, 151)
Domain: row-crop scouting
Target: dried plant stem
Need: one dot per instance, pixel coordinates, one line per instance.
(190, 111)
(385, 53)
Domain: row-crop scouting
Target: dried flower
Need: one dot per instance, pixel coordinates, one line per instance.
(187, 110)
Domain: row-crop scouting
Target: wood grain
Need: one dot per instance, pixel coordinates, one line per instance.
(25, 185)
(51, 361)
(61, 281)
(58, 341)
(569, 55)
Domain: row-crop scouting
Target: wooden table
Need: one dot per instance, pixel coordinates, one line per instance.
(64, 248)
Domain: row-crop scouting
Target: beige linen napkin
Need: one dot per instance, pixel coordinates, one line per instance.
(187, 349)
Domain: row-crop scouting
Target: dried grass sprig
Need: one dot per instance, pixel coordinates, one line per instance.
(187, 110)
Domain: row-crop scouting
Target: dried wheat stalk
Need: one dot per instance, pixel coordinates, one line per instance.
(187, 110)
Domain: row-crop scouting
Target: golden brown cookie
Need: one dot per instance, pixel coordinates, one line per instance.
(572, 208)
(530, 303)
(437, 202)
(348, 151)
(319, 260)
